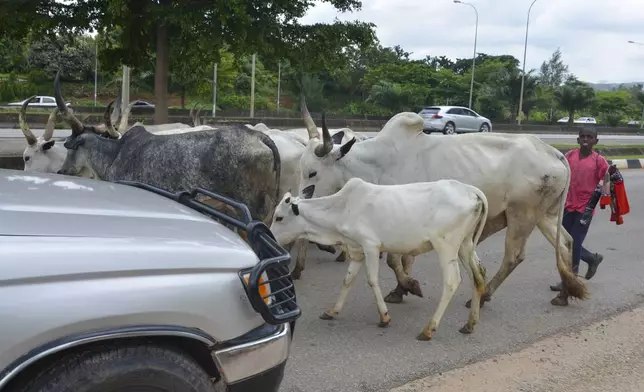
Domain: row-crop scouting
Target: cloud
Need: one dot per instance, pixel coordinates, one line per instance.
(593, 35)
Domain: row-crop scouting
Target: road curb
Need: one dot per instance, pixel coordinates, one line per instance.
(627, 163)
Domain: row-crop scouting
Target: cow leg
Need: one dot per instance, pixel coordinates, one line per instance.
(571, 285)
(521, 223)
(448, 257)
(372, 263)
(349, 279)
(341, 257)
(401, 264)
(301, 247)
(471, 262)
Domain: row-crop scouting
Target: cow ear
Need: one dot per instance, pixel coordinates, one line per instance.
(345, 148)
(337, 138)
(48, 145)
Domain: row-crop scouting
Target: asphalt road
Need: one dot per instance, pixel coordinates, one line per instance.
(351, 354)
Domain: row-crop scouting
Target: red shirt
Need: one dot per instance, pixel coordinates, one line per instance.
(585, 174)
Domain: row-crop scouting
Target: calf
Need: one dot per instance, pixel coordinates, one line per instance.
(411, 219)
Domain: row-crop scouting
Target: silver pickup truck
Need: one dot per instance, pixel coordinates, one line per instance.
(122, 286)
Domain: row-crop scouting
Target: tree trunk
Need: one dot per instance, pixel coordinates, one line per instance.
(571, 118)
(183, 97)
(161, 76)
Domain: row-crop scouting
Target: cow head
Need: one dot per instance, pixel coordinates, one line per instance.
(42, 154)
(83, 138)
(287, 225)
(320, 173)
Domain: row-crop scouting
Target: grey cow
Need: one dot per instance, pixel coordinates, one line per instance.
(235, 161)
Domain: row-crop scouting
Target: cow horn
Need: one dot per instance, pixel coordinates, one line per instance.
(192, 114)
(308, 120)
(197, 116)
(327, 145)
(31, 139)
(107, 116)
(116, 113)
(49, 128)
(76, 124)
(125, 118)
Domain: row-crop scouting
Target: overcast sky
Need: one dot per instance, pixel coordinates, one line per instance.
(593, 35)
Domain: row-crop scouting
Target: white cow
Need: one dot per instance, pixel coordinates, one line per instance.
(366, 219)
(42, 154)
(524, 179)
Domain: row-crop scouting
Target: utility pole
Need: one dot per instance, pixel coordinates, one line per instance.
(525, 49)
(476, 33)
(125, 90)
(214, 91)
(252, 90)
(95, 68)
(279, 77)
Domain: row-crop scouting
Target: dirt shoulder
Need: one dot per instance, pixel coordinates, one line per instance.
(606, 356)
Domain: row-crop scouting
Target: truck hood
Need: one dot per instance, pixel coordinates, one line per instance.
(52, 205)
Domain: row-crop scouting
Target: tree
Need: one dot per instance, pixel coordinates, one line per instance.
(551, 75)
(574, 95)
(142, 28)
(611, 105)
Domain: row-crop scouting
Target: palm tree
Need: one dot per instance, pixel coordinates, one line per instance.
(574, 95)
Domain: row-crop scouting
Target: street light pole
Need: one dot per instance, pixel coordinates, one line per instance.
(525, 49)
(636, 43)
(476, 33)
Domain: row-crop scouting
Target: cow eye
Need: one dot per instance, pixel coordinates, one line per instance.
(313, 174)
(278, 219)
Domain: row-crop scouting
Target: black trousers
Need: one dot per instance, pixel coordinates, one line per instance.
(578, 232)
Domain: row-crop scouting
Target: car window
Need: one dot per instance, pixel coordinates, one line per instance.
(430, 111)
(468, 112)
(455, 111)
(47, 100)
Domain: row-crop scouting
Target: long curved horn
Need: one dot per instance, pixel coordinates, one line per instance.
(116, 113)
(308, 120)
(327, 145)
(107, 115)
(125, 118)
(31, 138)
(197, 115)
(192, 115)
(49, 128)
(76, 124)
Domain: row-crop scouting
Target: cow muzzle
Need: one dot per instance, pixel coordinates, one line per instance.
(307, 192)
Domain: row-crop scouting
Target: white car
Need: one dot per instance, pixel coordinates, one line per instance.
(39, 101)
(580, 120)
(453, 119)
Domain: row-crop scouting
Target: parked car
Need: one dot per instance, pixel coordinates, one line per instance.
(143, 104)
(453, 119)
(122, 286)
(580, 120)
(44, 101)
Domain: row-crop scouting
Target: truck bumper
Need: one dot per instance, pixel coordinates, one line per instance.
(255, 365)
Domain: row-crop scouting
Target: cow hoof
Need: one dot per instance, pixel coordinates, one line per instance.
(341, 258)
(394, 297)
(414, 288)
(297, 272)
(326, 316)
(423, 338)
(384, 322)
(466, 329)
(559, 301)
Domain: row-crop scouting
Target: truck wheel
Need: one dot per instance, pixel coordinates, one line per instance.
(109, 368)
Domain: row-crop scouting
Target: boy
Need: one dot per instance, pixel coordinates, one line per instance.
(587, 168)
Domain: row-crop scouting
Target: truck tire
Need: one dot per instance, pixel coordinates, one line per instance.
(132, 367)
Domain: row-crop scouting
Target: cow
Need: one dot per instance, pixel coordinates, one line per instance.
(414, 218)
(42, 154)
(524, 179)
(237, 162)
